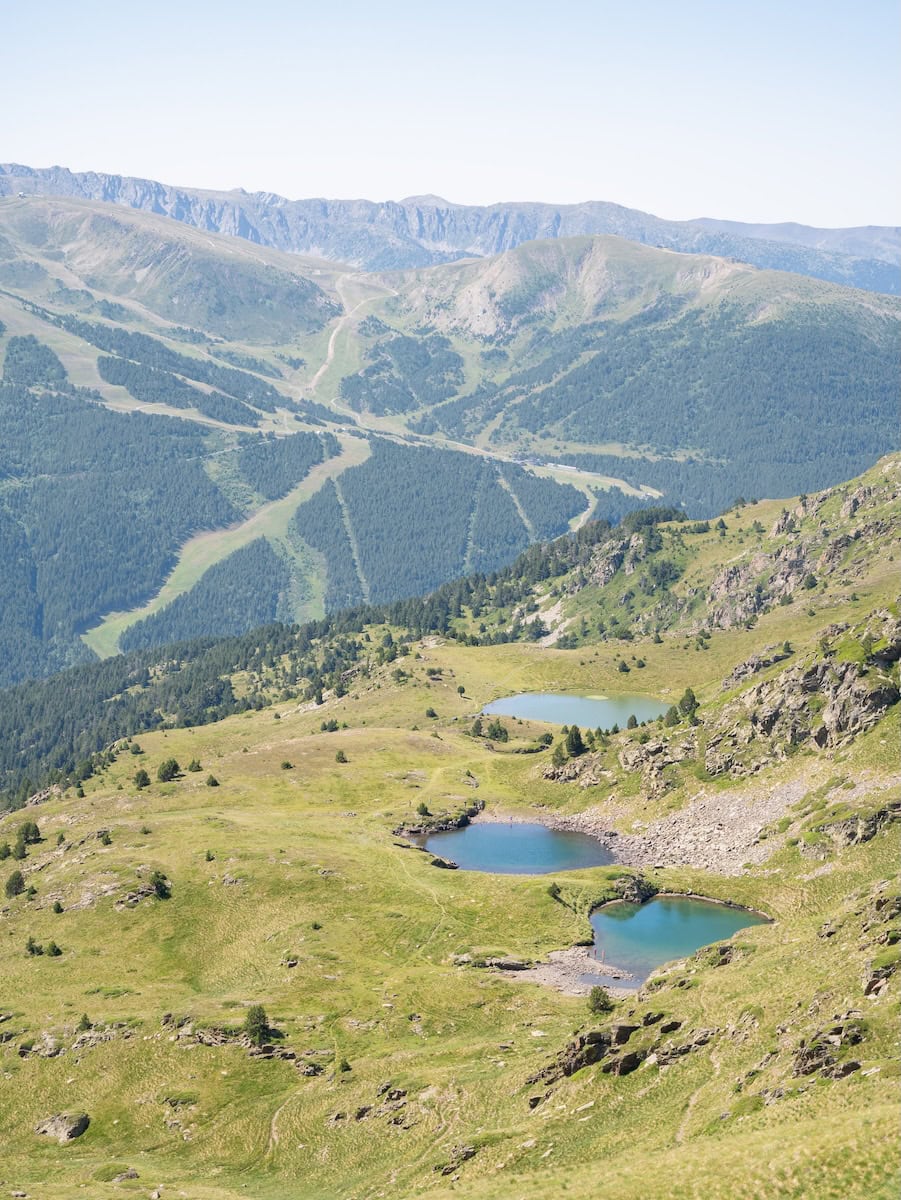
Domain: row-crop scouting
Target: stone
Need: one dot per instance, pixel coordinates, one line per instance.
(459, 1155)
(622, 1033)
(842, 1070)
(622, 1064)
(131, 1173)
(65, 1127)
(816, 1056)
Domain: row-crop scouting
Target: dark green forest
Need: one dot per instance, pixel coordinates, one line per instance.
(237, 594)
(404, 373)
(762, 408)
(93, 506)
(150, 385)
(320, 522)
(420, 516)
(272, 466)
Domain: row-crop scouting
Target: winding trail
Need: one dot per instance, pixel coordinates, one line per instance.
(273, 1124)
(344, 321)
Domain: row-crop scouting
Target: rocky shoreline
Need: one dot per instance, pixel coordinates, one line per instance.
(564, 970)
(716, 833)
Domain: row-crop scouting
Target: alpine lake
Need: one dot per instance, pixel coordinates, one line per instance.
(635, 938)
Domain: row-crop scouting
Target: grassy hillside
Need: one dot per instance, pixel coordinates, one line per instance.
(288, 888)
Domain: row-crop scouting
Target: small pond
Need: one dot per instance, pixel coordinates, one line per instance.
(640, 937)
(510, 848)
(588, 712)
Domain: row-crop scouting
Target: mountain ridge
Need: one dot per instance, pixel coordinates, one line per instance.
(421, 231)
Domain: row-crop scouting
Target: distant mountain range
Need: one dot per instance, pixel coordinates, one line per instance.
(427, 230)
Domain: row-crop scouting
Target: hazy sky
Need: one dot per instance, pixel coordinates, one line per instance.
(755, 110)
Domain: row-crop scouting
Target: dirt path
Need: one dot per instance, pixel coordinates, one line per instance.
(344, 321)
(273, 1125)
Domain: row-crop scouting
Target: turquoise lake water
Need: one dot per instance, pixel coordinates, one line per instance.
(506, 848)
(635, 937)
(640, 937)
(588, 712)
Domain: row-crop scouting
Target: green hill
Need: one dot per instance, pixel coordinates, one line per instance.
(395, 1062)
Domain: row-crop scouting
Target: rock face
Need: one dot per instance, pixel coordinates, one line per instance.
(857, 829)
(826, 702)
(820, 1052)
(634, 889)
(751, 666)
(65, 1127)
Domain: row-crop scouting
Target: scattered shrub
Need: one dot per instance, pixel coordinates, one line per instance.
(599, 1001)
(256, 1024)
(160, 885)
(168, 770)
(15, 885)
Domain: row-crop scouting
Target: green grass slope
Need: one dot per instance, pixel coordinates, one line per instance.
(398, 1070)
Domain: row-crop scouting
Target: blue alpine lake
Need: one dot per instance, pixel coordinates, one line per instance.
(640, 937)
(588, 712)
(633, 937)
(510, 848)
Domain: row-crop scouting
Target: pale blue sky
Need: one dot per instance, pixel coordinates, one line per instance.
(744, 109)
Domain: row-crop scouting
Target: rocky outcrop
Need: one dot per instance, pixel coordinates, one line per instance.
(634, 889)
(583, 1051)
(651, 759)
(444, 864)
(741, 591)
(64, 1127)
(820, 1052)
(606, 562)
(623, 1064)
(439, 824)
(586, 771)
(752, 666)
(854, 830)
(668, 1052)
(458, 1156)
(824, 702)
